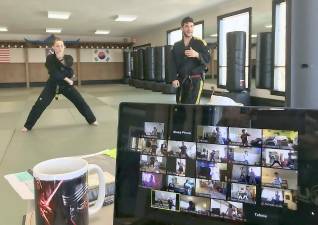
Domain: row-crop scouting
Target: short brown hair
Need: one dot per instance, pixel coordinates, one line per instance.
(56, 39)
(187, 19)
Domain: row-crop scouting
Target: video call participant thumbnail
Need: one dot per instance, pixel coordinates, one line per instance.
(280, 178)
(165, 200)
(151, 180)
(282, 139)
(197, 205)
(245, 137)
(212, 135)
(243, 193)
(182, 185)
(246, 174)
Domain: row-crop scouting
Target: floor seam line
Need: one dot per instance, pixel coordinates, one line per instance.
(6, 148)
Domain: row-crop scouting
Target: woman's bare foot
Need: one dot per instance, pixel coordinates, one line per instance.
(24, 129)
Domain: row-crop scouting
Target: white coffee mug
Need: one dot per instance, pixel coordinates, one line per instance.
(60, 187)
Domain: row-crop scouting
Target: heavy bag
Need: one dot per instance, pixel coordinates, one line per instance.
(168, 63)
(160, 63)
(264, 64)
(127, 63)
(135, 65)
(236, 49)
(150, 64)
(140, 53)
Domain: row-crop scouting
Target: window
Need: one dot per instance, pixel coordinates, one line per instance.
(236, 21)
(176, 34)
(279, 46)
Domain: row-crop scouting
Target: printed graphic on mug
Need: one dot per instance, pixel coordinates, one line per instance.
(62, 201)
(61, 191)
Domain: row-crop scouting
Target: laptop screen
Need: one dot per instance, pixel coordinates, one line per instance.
(186, 164)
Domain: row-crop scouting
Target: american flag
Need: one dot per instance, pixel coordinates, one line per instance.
(4, 55)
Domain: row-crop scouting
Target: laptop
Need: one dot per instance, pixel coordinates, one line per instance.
(195, 164)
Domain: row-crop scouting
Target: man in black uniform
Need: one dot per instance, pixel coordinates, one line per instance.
(190, 58)
(59, 82)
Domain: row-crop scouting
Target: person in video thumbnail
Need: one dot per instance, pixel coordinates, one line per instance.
(251, 175)
(163, 149)
(154, 132)
(188, 187)
(156, 165)
(170, 203)
(243, 174)
(151, 162)
(245, 157)
(172, 184)
(290, 160)
(180, 167)
(153, 147)
(277, 198)
(152, 180)
(277, 181)
(160, 203)
(218, 135)
(242, 194)
(212, 156)
(204, 153)
(191, 206)
(244, 136)
(229, 211)
(275, 159)
(183, 151)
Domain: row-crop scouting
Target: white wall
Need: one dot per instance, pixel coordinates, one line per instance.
(37, 55)
(116, 55)
(72, 52)
(17, 55)
(261, 11)
(92, 38)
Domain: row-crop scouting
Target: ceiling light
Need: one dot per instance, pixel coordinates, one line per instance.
(125, 18)
(102, 32)
(53, 30)
(58, 15)
(3, 29)
(268, 26)
(254, 36)
(213, 35)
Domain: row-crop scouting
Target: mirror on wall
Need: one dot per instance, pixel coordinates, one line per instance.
(279, 46)
(261, 31)
(233, 29)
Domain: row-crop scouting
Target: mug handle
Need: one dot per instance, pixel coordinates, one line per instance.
(101, 189)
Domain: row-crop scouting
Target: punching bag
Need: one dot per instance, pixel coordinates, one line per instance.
(168, 61)
(135, 65)
(236, 51)
(264, 60)
(150, 64)
(127, 63)
(160, 64)
(140, 53)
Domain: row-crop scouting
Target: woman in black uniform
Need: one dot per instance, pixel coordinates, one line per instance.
(59, 82)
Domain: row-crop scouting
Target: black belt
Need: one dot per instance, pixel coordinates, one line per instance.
(193, 76)
(196, 76)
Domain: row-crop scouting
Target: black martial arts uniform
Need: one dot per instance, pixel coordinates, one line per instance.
(189, 71)
(56, 85)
